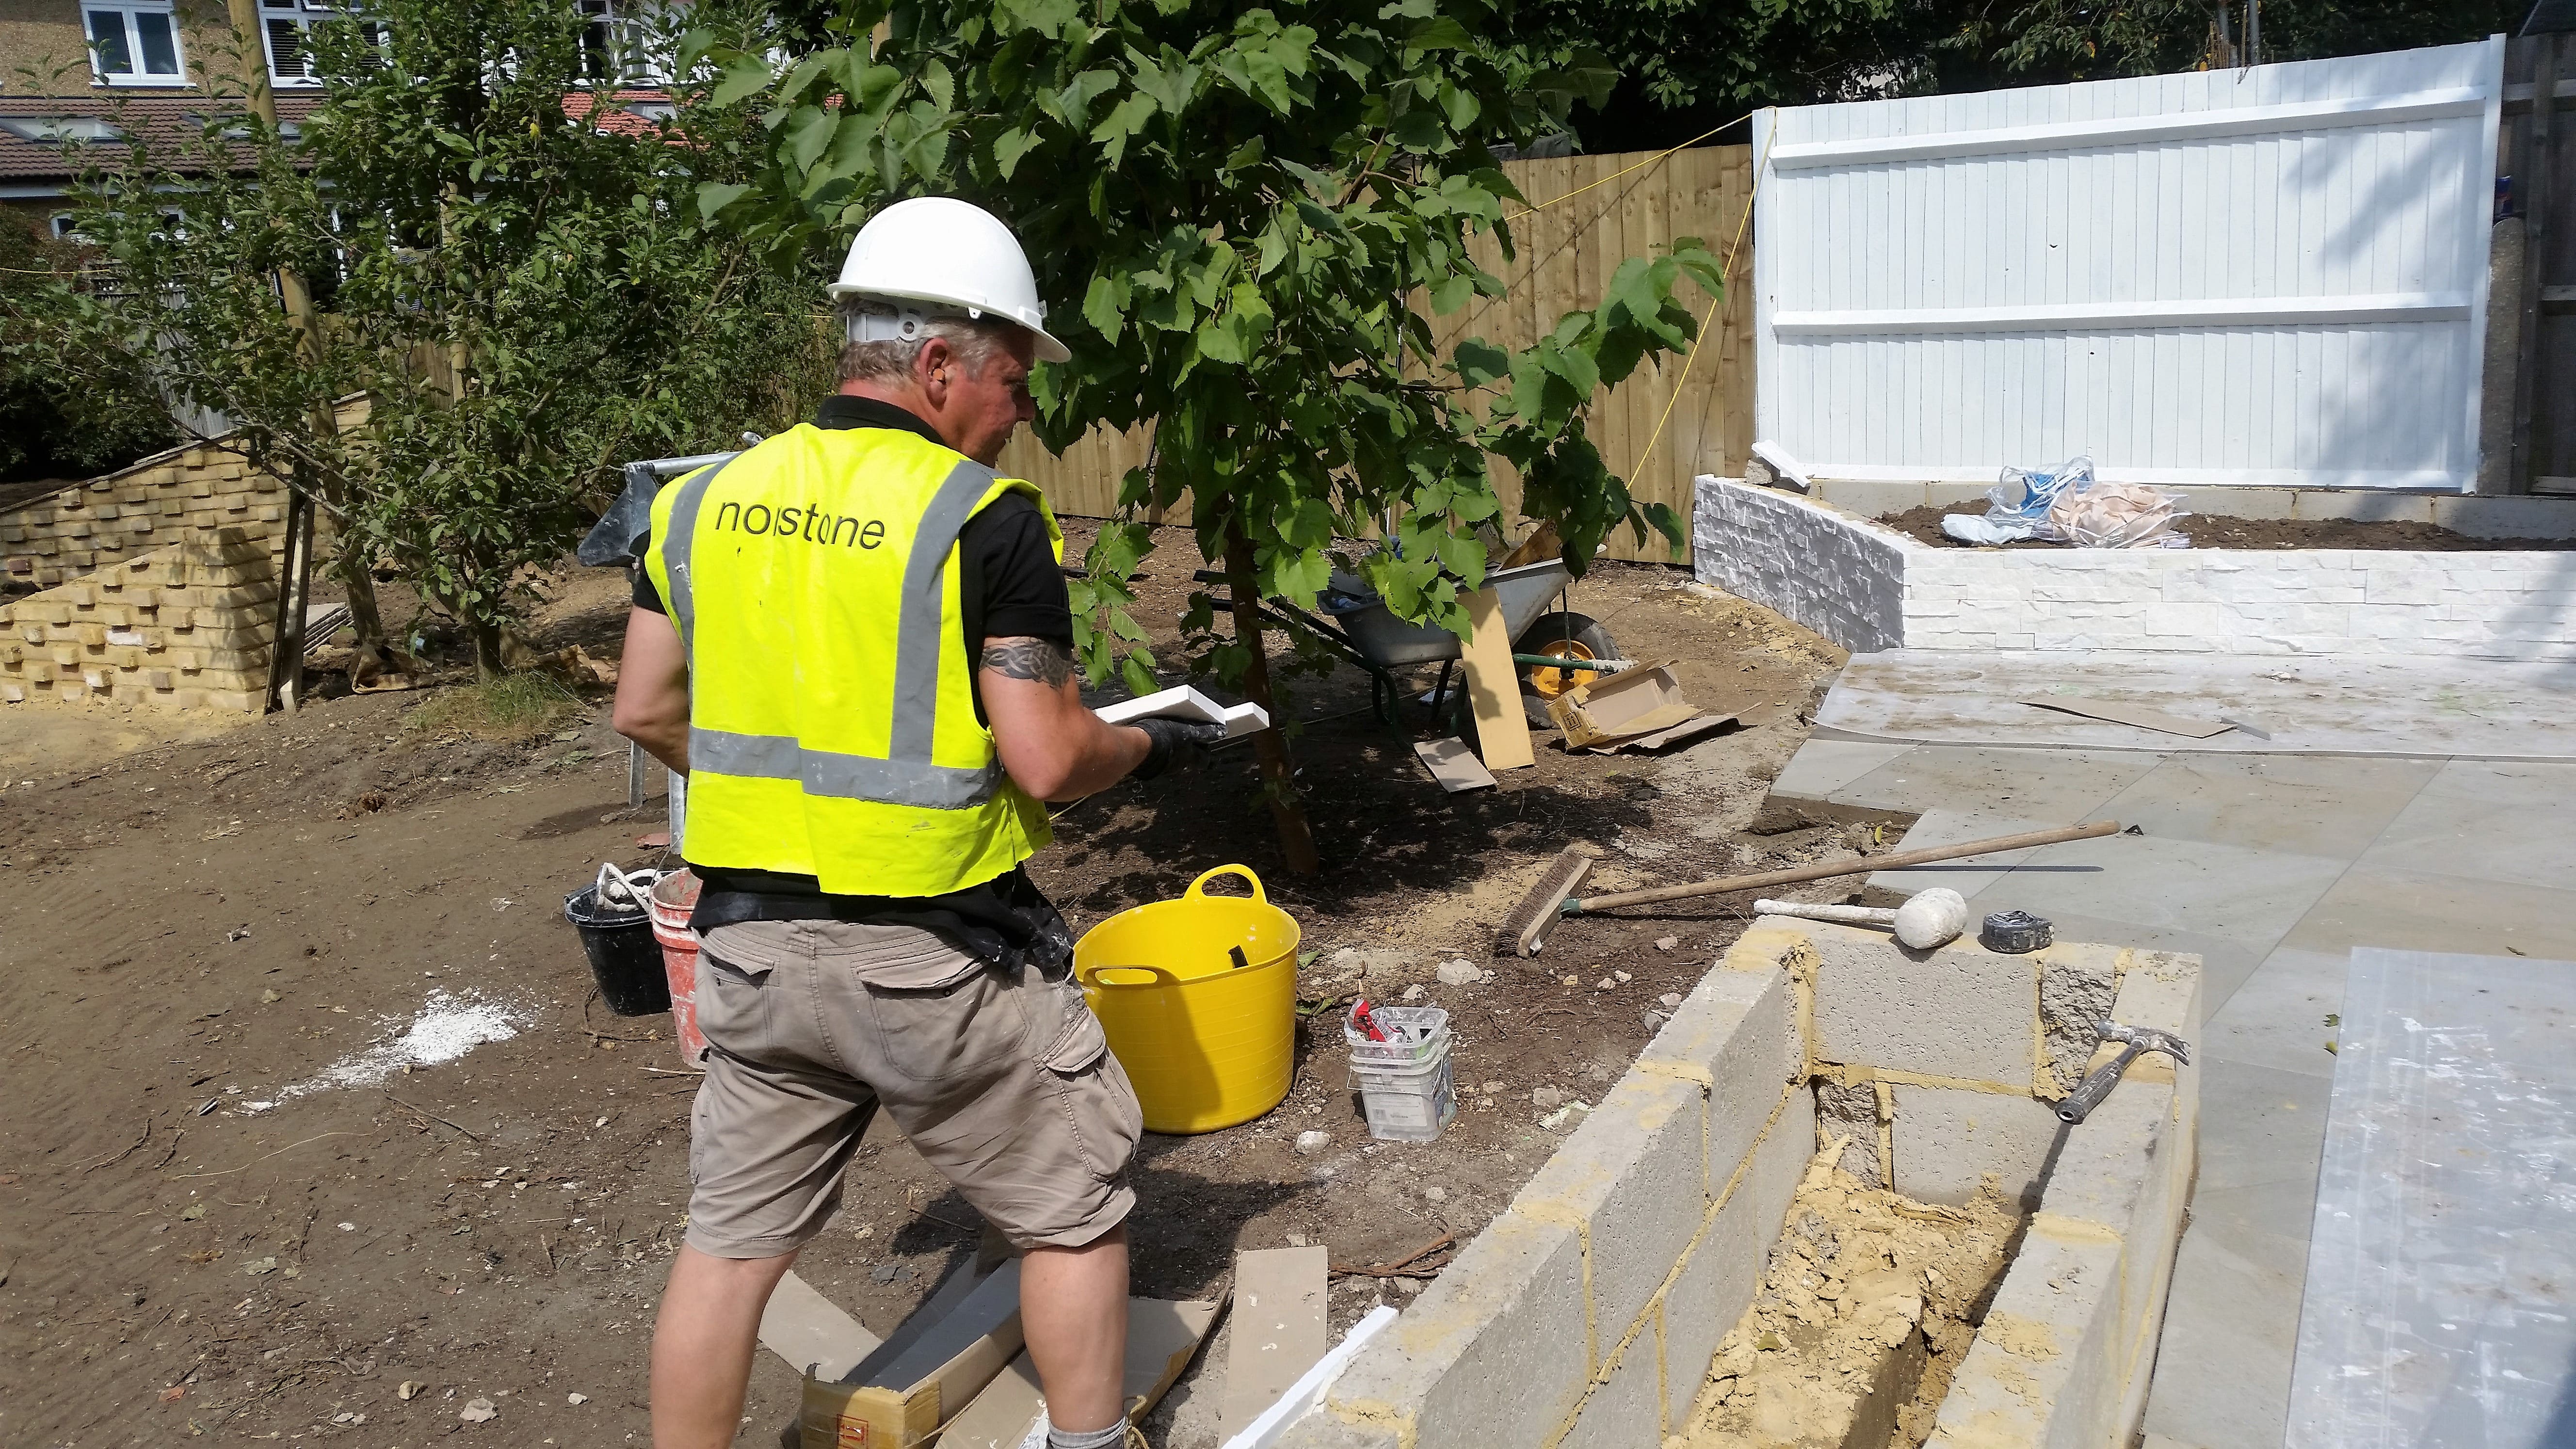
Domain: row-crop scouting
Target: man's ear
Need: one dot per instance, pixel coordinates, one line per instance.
(934, 367)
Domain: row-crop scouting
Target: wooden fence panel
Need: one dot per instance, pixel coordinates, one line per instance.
(2531, 438)
(1588, 217)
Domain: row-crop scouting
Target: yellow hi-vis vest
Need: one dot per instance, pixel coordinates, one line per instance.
(832, 727)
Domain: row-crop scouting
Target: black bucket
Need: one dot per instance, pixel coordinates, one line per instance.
(624, 957)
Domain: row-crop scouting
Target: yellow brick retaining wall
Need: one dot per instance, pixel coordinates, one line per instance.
(188, 624)
(117, 516)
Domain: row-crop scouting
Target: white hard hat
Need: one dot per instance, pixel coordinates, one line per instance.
(952, 255)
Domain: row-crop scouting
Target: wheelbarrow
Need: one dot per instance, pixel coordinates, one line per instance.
(1352, 621)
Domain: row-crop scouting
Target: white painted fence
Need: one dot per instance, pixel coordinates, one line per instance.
(2271, 276)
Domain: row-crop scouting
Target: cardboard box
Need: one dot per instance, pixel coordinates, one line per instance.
(896, 1402)
(1629, 705)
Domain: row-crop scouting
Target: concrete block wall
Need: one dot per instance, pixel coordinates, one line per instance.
(188, 625)
(1585, 1316)
(195, 489)
(1868, 587)
(1587, 1313)
(2069, 1344)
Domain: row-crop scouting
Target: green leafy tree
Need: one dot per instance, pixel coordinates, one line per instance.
(2065, 40)
(514, 276)
(53, 424)
(1686, 66)
(1248, 215)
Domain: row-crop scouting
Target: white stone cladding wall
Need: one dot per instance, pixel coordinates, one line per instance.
(1835, 574)
(2503, 604)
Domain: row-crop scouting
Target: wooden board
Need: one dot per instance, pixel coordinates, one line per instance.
(2133, 714)
(1454, 765)
(1162, 1337)
(934, 1310)
(1494, 687)
(1278, 1329)
(901, 1399)
(810, 1331)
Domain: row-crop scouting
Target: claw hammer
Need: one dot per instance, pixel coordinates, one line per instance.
(2079, 1104)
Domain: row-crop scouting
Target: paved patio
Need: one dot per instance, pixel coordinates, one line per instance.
(2271, 867)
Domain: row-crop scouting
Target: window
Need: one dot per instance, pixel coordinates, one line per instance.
(616, 41)
(286, 28)
(63, 224)
(134, 44)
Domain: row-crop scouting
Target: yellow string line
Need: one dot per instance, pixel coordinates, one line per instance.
(1615, 175)
(1743, 224)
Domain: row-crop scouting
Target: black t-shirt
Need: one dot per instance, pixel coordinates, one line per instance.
(1009, 586)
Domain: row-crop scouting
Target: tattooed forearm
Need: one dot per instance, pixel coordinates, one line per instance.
(1043, 661)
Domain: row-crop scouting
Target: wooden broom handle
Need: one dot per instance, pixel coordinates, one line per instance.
(1829, 869)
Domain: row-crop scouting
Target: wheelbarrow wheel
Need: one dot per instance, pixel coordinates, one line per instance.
(1564, 635)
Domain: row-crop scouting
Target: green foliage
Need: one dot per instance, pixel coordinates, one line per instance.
(1243, 216)
(2061, 40)
(525, 299)
(1686, 66)
(52, 423)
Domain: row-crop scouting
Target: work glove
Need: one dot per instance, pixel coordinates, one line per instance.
(1174, 742)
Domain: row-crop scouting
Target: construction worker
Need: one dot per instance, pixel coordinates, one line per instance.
(854, 640)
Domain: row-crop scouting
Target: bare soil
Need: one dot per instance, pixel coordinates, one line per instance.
(2213, 531)
(1868, 1305)
(196, 924)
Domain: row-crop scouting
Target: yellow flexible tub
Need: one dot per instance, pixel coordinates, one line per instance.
(1207, 1042)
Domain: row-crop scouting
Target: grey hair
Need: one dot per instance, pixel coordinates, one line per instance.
(976, 340)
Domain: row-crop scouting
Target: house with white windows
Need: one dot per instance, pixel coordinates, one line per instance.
(90, 71)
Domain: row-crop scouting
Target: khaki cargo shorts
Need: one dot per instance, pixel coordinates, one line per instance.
(1001, 1081)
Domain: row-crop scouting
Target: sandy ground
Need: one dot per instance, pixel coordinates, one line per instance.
(287, 911)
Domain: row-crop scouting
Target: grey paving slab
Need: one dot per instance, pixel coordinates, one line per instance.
(2420, 910)
(2529, 842)
(2439, 1278)
(2182, 885)
(2418, 706)
(2225, 961)
(2325, 805)
(2061, 786)
(1943, 825)
(2222, 1377)
(2280, 1016)
(1822, 767)
(2507, 782)
(2262, 1134)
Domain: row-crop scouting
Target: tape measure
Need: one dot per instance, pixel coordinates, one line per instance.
(2015, 933)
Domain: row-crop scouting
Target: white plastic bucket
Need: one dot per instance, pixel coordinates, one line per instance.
(1407, 1103)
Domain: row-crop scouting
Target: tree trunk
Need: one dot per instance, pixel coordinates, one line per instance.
(1296, 841)
(487, 637)
(349, 561)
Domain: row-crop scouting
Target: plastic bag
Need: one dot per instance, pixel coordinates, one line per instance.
(1971, 528)
(2072, 506)
(2025, 497)
(2116, 515)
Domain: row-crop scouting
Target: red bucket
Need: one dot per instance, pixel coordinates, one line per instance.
(672, 900)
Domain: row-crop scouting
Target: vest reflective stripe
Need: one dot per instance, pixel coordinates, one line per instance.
(921, 635)
(681, 538)
(842, 777)
(905, 776)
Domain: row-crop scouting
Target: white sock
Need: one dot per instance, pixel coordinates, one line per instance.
(1112, 1437)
